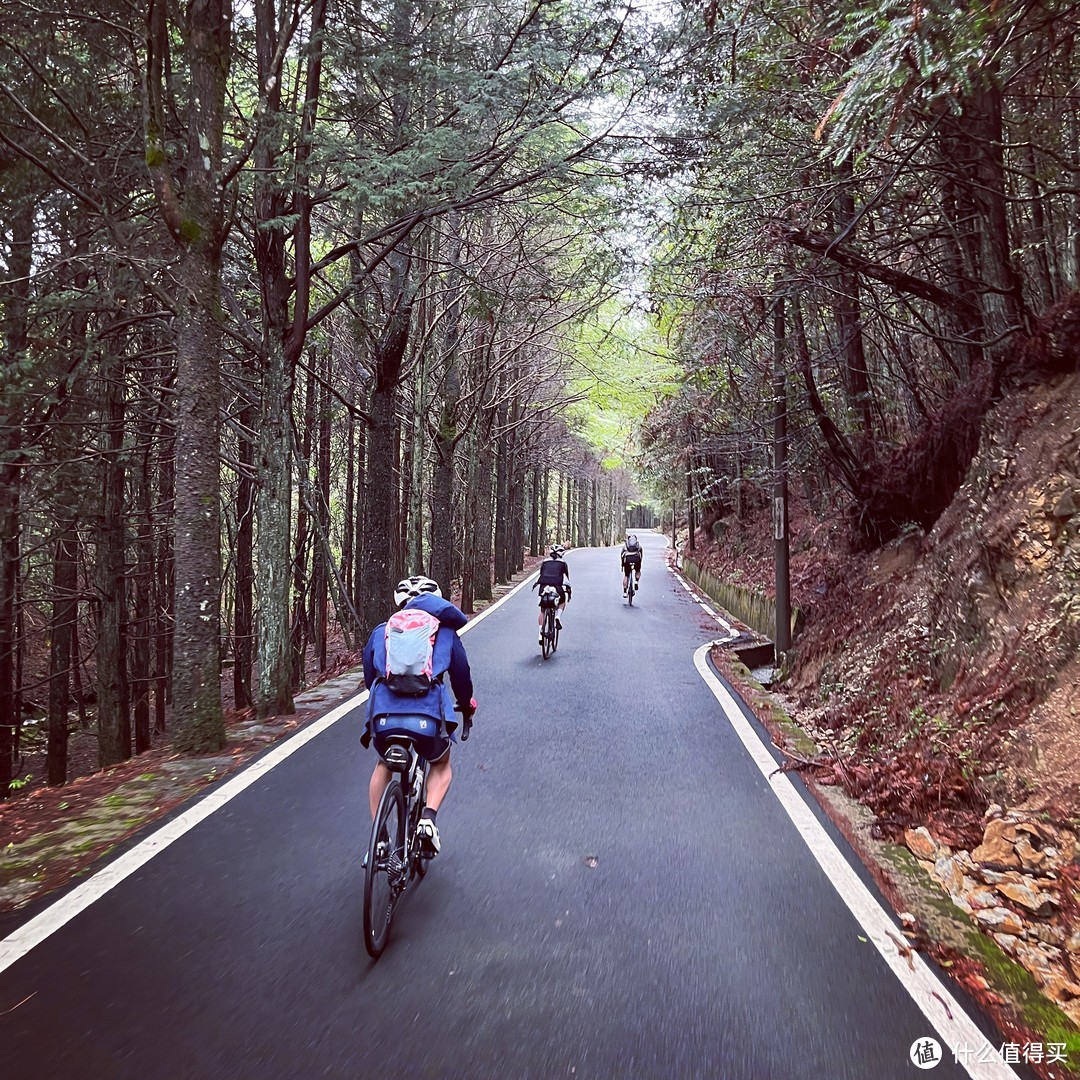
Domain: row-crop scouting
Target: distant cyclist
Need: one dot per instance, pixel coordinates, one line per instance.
(554, 571)
(404, 663)
(630, 558)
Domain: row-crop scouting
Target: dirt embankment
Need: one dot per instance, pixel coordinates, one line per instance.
(943, 669)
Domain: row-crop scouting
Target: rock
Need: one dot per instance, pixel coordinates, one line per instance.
(966, 863)
(921, 844)
(1030, 857)
(1072, 943)
(1033, 958)
(1029, 896)
(1000, 920)
(992, 811)
(949, 875)
(979, 899)
(1008, 942)
(1046, 933)
(998, 845)
(1065, 506)
(1060, 987)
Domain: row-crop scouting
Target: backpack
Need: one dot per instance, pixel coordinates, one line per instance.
(410, 648)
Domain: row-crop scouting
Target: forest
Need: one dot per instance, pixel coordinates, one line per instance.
(298, 297)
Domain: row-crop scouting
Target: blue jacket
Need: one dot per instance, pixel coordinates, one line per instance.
(449, 656)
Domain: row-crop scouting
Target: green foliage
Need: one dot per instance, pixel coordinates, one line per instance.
(928, 56)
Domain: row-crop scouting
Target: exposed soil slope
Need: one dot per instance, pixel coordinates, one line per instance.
(943, 668)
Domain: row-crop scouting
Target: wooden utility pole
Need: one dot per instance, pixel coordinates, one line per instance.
(780, 493)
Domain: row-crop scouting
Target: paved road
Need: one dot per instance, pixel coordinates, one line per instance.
(619, 896)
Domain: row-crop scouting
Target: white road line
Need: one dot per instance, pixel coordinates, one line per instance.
(37, 929)
(957, 1030)
(730, 630)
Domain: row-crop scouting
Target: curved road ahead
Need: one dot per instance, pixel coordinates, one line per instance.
(619, 895)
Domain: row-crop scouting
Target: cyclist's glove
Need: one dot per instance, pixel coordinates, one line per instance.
(466, 719)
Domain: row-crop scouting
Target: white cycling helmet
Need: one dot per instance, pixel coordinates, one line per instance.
(407, 588)
(557, 551)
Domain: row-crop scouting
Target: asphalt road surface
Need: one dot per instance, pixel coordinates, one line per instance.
(619, 896)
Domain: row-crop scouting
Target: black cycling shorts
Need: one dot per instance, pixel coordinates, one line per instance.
(423, 730)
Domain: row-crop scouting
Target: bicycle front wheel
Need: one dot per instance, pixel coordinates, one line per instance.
(386, 865)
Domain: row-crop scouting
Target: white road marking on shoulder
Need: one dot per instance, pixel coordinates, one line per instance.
(35, 930)
(929, 993)
(731, 632)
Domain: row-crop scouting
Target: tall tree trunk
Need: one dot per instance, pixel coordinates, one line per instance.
(301, 623)
(534, 511)
(322, 580)
(198, 721)
(545, 484)
(142, 583)
(582, 489)
(382, 505)
(482, 484)
(448, 433)
(348, 537)
(65, 613)
(560, 532)
(283, 342)
(849, 316)
(502, 500)
(114, 723)
(164, 577)
(15, 328)
(243, 615)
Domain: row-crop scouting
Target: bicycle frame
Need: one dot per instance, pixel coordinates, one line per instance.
(402, 860)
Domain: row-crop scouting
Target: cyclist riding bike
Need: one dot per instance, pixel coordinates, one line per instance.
(630, 558)
(555, 572)
(418, 703)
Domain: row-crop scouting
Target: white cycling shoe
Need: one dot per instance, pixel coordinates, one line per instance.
(428, 833)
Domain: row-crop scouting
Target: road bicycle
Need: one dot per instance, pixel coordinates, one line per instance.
(395, 859)
(549, 628)
(631, 585)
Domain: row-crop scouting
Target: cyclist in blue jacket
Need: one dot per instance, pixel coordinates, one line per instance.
(428, 718)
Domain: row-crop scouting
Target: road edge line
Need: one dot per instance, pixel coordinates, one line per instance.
(932, 997)
(702, 603)
(35, 930)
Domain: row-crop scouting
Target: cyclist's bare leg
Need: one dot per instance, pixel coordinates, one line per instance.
(380, 777)
(438, 781)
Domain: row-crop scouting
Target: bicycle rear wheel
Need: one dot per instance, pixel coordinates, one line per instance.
(386, 865)
(547, 634)
(630, 591)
